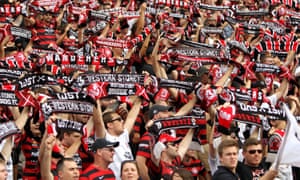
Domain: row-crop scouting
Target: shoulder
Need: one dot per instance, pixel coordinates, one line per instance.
(223, 173)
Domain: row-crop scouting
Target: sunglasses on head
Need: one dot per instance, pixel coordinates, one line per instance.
(259, 151)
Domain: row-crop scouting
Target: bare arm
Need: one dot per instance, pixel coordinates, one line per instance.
(45, 158)
(141, 20)
(98, 121)
(133, 113)
(143, 169)
(185, 109)
(185, 143)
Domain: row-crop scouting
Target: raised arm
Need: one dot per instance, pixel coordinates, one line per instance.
(185, 143)
(45, 158)
(133, 113)
(98, 121)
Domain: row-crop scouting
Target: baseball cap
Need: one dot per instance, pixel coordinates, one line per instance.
(158, 108)
(164, 138)
(103, 143)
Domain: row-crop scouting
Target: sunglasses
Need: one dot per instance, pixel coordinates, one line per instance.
(259, 151)
(117, 119)
(171, 143)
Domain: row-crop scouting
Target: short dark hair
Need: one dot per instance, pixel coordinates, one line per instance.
(107, 117)
(251, 141)
(184, 174)
(227, 143)
(60, 163)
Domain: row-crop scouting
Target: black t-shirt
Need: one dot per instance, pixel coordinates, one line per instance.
(246, 172)
(224, 173)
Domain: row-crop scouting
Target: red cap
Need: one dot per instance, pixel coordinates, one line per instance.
(164, 137)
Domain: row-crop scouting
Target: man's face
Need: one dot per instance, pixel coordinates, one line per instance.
(253, 155)
(172, 149)
(3, 172)
(74, 137)
(117, 124)
(107, 154)
(70, 171)
(229, 157)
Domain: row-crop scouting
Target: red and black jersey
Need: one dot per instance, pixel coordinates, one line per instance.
(85, 150)
(196, 167)
(94, 173)
(31, 149)
(146, 143)
(145, 147)
(43, 36)
(167, 169)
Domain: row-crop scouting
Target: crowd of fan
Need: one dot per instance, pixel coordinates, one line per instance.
(158, 89)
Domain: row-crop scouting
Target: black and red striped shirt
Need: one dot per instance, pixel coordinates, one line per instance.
(95, 173)
(31, 149)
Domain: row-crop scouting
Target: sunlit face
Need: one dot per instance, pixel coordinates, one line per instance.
(129, 172)
(253, 155)
(229, 157)
(3, 172)
(172, 149)
(70, 171)
(116, 124)
(107, 154)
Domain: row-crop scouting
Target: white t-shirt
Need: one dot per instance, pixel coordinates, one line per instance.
(122, 152)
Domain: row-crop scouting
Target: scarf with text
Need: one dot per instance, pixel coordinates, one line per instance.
(85, 79)
(10, 74)
(7, 129)
(35, 80)
(201, 52)
(168, 83)
(20, 32)
(11, 10)
(102, 89)
(8, 98)
(69, 125)
(211, 7)
(231, 94)
(252, 109)
(66, 106)
(72, 59)
(176, 3)
(181, 122)
(17, 60)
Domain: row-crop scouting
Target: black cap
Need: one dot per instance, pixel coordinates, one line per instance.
(158, 108)
(103, 143)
